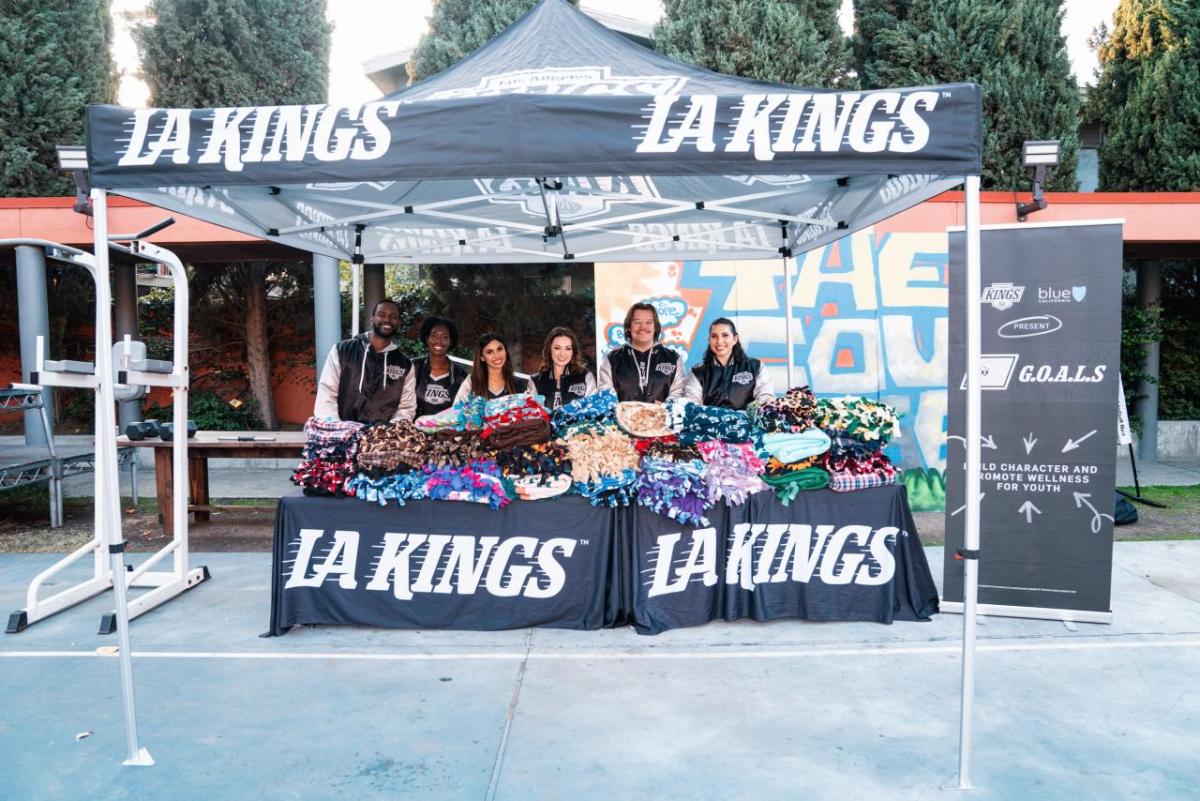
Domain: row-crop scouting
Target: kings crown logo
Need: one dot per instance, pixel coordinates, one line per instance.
(1002, 296)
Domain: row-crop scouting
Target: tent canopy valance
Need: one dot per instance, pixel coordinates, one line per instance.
(557, 140)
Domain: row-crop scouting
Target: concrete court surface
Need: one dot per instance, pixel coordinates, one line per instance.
(783, 710)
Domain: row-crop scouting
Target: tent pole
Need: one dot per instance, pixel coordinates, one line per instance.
(106, 464)
(355, 294)
(973, 447)
(786, 252)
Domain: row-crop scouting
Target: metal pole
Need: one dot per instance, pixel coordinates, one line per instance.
(787, 317)
(106, 461)
(125, 295)
(327, 306)
(373, 287)
(971, 537)
(355, 294)
(1149, 298)
(34, 316)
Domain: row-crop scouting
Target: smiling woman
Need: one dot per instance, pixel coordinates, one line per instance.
(728, 377)
(437, 378)
(492, 372)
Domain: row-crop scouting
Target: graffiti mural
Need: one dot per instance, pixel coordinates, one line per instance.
(869, 317)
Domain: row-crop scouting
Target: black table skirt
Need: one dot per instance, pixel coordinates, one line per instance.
(563, 563)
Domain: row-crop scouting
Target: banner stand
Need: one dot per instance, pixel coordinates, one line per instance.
(1031, 612)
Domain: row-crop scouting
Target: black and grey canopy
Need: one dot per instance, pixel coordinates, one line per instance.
(559, 139)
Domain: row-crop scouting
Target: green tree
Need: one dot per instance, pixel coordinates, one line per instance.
(1147, 96)
(202, 53)
(781, 41)
(1014, 50)
(458, 28)
(54, 59)
(198, 53)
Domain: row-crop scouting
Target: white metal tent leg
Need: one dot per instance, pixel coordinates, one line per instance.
(971, 534)
(106, 461)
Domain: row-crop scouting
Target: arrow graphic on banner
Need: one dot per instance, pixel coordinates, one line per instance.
(1028, 509)
(1072, 444)
(1029, 441)
(1081, 498)
(985, 442)
(964, 506)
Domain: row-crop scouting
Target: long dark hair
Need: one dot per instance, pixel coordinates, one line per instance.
(577, 365)
(479, 371)
(737, 355)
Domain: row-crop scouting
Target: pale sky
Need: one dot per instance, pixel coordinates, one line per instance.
(366, 29)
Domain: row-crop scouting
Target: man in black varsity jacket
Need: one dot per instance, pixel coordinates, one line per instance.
(366, 378)
(643, 370)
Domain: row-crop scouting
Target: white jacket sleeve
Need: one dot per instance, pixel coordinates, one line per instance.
(764, 387)
(464, 390)
(604, 373)
(407, 408)
(679, 383)
(589, 384)
(327, 387)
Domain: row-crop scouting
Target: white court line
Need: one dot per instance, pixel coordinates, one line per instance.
(886, 650)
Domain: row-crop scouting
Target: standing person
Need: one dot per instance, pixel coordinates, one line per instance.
(437, 377)
(643, 370)
(728, 377)
(366, 378)
(564, 376)
(492, 372)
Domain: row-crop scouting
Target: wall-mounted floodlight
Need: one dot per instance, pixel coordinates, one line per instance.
(73, 159)
(1039, 155)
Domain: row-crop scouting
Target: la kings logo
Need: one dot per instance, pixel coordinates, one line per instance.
(436, 393)
(234, 137)
(1002, 296)
(791, 122)
(768, 553)
(457, 564)
(593, 80)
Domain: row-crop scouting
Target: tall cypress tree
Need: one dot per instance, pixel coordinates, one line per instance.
(55, 58)
(1147, 97)
(201, 53)
(1014, 50)
(781, 41)
(458, 28)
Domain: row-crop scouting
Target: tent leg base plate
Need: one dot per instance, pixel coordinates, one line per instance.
(17, 622)
(957, 785)
(142, 760)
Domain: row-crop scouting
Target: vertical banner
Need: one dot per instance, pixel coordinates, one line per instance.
(1051, 311)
